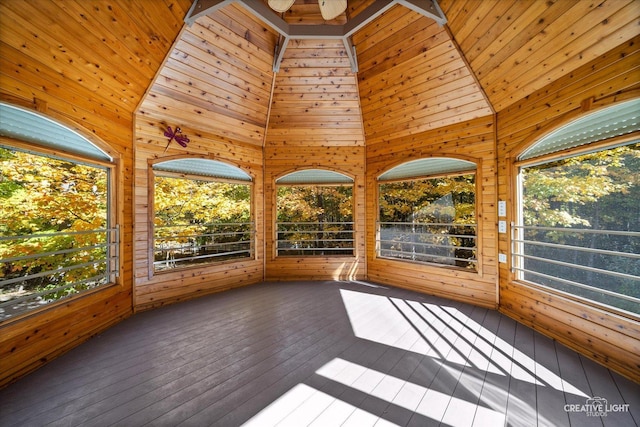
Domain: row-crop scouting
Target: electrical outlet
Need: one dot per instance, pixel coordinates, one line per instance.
(502, 258)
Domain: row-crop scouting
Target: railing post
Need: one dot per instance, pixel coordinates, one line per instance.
(117, 251)
(513, 248)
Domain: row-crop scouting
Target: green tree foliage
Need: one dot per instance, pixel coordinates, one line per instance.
(595, 191)
(569, 192)
(181, 201)
(315, 203)
(44, 196)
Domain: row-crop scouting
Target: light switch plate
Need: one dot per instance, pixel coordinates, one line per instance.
(502, 226)
(502, 208)
(502, 258)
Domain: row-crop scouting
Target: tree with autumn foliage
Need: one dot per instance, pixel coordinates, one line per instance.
(49, 198)
(315, 217)
(429, 219)
(200, 218)
(431, 200)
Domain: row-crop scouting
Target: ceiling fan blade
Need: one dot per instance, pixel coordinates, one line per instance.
(330, 9)
(281, 5)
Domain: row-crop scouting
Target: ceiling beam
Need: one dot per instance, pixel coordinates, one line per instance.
(204, 7)
(372, 11)
(429, 8)
(279, 53)
(350, 48)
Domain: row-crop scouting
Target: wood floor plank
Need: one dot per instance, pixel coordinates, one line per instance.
(291, 373)
(194, 365)
(549, 395)
(603, 386)
(165, 329)
(438, 396)
(521, 403)
(281, 377)
(575, 385)
(121, 361)
(317, 354)
(463, 404)
(163, 402)
(383, 401)
(495, 389)
(629, 391)
(485, 412)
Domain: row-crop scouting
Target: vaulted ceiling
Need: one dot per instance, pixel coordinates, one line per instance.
(217, 74)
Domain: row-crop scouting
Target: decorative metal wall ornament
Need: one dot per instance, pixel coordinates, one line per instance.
(175, 136)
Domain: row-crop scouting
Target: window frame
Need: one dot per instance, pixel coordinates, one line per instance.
(153, 173)
(515, 266)
(426, 176)
(351, 184)
(113, 197)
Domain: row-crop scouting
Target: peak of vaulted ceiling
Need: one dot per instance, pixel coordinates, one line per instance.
(413, 74)
(411, 77)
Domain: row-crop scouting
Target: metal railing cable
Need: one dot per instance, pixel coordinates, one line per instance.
(428, 242)
(315, 238)
(597, 269)
(86, 259)
(182, 244)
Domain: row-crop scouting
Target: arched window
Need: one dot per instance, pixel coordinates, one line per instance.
(577, 227)
(314, 214)
(58, 236)
(202, 213)
(427, 213)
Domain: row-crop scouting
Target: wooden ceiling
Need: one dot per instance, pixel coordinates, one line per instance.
(412, 77)
(112, 48)
(317, 92)
(516, 47)
(216, 76)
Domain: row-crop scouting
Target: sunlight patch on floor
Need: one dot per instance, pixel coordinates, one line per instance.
(413, 397)
(457, 345)
(306, 406)
(443, 333)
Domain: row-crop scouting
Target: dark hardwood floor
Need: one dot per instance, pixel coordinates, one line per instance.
(320, 354)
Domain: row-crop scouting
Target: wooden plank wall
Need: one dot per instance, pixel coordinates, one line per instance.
(216, 85)
(419, 99)
(42, 46)
(217, 77)
(315, 122)
(346, 160)
(153, 290)
(611, 339)
(473, 141)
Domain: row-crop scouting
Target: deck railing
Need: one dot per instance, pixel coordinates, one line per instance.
(440, 243)
(595, 264)
(82, 260)
(185, 245)
(315, 238)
